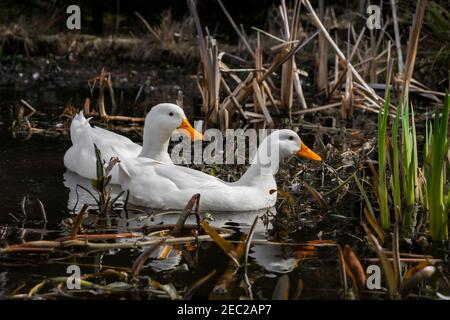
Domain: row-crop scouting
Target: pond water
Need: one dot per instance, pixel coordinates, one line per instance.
(34, 168)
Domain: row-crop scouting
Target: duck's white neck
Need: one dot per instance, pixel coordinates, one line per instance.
(264, 166)
(156, 142)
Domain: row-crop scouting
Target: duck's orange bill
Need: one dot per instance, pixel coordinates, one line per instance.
(194, 134)
(307, 153)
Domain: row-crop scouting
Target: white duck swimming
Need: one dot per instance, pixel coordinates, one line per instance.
(158, 185)
(162, 120)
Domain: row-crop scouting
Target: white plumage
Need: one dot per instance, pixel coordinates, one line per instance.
(158, 185)
(160, 123)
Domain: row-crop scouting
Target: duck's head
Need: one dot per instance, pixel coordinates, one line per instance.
(278, 145)
(289, 144)
(284, 143)
(168, 117)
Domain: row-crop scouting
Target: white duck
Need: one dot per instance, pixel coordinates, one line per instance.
(162, 120)
(158, 185)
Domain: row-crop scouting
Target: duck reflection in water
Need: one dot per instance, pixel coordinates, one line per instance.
(271, 257)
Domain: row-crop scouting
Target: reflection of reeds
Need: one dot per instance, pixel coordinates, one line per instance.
(104, 82)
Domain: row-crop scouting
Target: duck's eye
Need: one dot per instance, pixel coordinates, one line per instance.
(171, 114)
(291, 138)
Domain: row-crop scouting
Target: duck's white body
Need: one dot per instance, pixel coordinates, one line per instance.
(161, 186)
(158, 185)
(160, 123)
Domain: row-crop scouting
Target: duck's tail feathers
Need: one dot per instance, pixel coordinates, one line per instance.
(78, 125)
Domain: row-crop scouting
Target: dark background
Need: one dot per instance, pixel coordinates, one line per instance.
(98, 16)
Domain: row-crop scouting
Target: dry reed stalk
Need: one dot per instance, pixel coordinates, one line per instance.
(235, 27)
(43, 245)
(254, 115)
(105, 236)
(261, 102)
(373, 53)
(296, 79)
(87, 106)
(336, 64)
(316, 109)
(101, 95)
(290, 79)
(258, 100)
(273, 102)
(298, 87)
(398, 44)
(412, 48)
(104, 81)
(378, 57)
(287, 70)
(237, 98)
(356, 45)
(209, 85)
(357, 50)
(341, 78)
(147, 25)
(212, 84)
(347, 97)
(259, 96)
(225, 69)
(180, 99)
(355, 73)
(31, 110)
(126, 119)
(322, 61)
(111, 95)
(382, 33)
(271, 35)
(245, 89)
(281, 45)
(408, 255)
(407, 260)
(390, 68)
(231, 96)
(78, 221)
(224, 119)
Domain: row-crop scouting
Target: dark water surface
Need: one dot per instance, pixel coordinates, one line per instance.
(34, 167)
